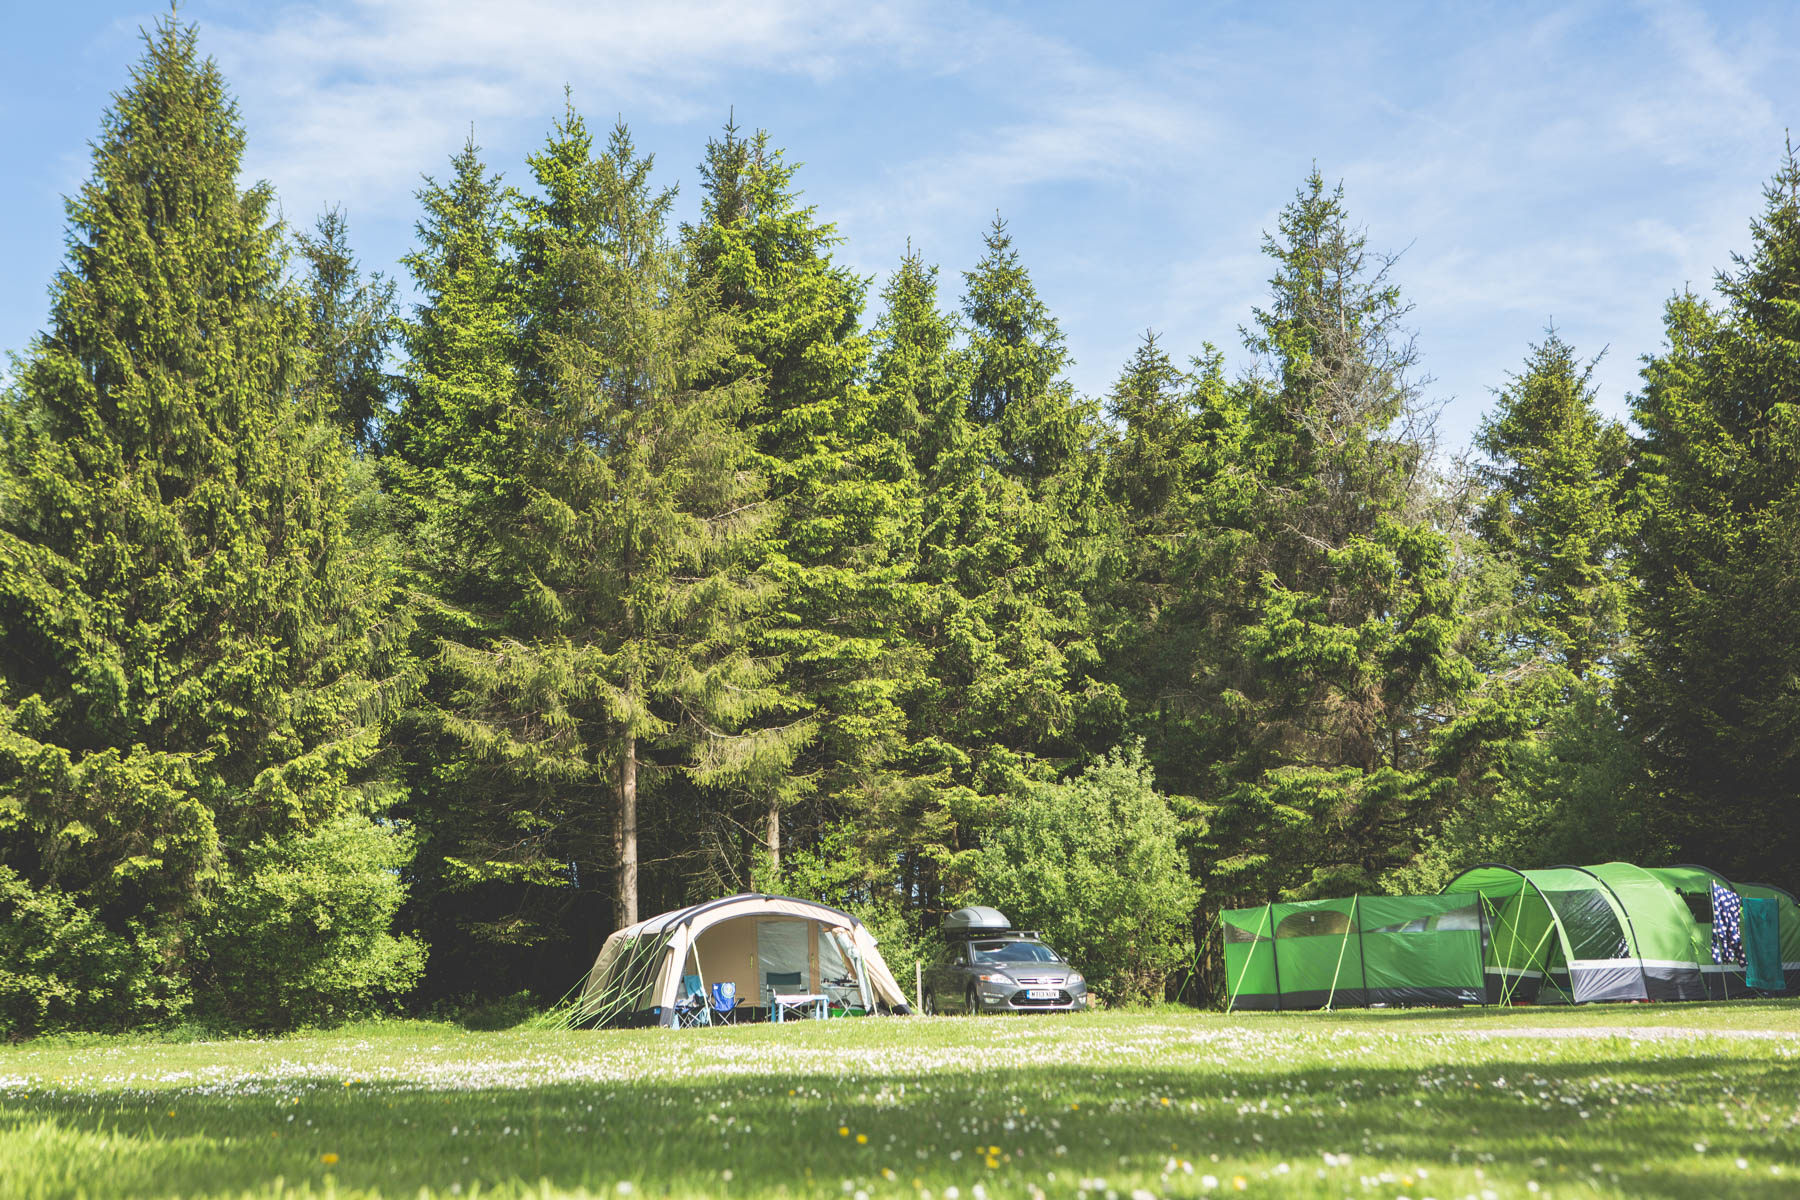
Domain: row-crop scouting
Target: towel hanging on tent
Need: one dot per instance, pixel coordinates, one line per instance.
(1762, 946)
(1727, 926)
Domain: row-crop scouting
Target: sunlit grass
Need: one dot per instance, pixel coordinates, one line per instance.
(1696, 1100)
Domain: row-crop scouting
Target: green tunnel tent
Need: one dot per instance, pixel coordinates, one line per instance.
(1612, 931)
(1559, 935)
(1355, 952)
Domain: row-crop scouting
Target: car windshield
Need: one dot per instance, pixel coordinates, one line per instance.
(1014, 952)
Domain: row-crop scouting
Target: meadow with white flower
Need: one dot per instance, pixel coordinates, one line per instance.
(1695, 1100)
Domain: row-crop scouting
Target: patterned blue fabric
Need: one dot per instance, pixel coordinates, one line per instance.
(1728, 926)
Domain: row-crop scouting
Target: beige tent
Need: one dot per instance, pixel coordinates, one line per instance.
(761, 944)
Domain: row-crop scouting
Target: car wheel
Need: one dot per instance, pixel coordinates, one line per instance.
(974, 1001)
(930, 1004)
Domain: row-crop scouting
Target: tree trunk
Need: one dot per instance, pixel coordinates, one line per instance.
(774, 836)
(625, 835)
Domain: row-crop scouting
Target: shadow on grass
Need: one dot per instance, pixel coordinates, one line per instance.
(1629, 1126)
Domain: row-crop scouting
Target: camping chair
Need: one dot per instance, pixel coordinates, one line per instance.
(784, 1003)
(692, 1011)
(779, 981)
(724, 1002)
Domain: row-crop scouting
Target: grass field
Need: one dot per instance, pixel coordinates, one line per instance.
(1689, 1100)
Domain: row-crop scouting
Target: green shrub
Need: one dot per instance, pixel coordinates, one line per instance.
(301, 932)
(1092, 863)
(61, 967)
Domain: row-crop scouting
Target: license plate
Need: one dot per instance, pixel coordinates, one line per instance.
(1040, 994)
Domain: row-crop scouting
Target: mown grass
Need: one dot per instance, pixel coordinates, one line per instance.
(1641, 1101)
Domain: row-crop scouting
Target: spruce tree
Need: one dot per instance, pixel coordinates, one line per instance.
(451, 450)
(620, 641)
(1710, 687)
(1554, 508)
(1035, 582)
(919, 382)
(450, 466)
(350, 326)
(194, 656)
(841, 544)
(1347, 658)
(1551, 772)
(1019, 355)
(1178, 488)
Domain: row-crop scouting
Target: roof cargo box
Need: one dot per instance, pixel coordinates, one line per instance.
(976, 921)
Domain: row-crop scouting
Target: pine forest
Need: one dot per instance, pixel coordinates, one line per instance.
(360, 656)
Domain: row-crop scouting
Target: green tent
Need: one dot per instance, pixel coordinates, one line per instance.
(1612, 931)
(1561, 935)
(1500, 935)
(1354, 953)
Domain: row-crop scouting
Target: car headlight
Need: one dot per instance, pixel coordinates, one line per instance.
(993, 979)
(1075, 977)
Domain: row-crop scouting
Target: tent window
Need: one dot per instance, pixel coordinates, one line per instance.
(1314, 923)
(1593, 931)
(1237, 933)
(1699, 904)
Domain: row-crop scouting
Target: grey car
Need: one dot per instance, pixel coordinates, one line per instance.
(1008, 972)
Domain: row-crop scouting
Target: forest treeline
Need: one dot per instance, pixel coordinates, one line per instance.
(353, 656)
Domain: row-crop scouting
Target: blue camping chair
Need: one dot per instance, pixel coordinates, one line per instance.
(724, 1002)
(691, 1010)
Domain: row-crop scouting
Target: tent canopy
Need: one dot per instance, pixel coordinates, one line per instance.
(761, 944)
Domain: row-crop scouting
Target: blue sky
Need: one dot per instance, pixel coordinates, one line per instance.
(1574, 162)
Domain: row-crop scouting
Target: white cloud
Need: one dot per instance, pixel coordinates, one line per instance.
(352, 103)
(1576, 162)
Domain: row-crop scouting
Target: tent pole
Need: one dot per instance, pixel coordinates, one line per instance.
(1274, 951)
(1507, 988)
(1562, 937)
(705, 1000)
(1513, 925)
(1343, 946)
(1362, 954)
(1532, 957)
(1481, 946)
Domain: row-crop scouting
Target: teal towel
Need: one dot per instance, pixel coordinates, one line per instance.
(1762, 946)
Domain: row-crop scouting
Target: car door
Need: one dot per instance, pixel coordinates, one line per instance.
(947, 977)
(956, 985)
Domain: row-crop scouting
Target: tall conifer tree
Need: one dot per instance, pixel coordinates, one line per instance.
(920, 384)
(1711, 686)
(1554, 507)
(350, 326)
(191, 672)
(1032, 591)
(1177, 480)
(621, 641)
(841, 545)
(1551, 773)
(450, 465)
(1346, 653)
